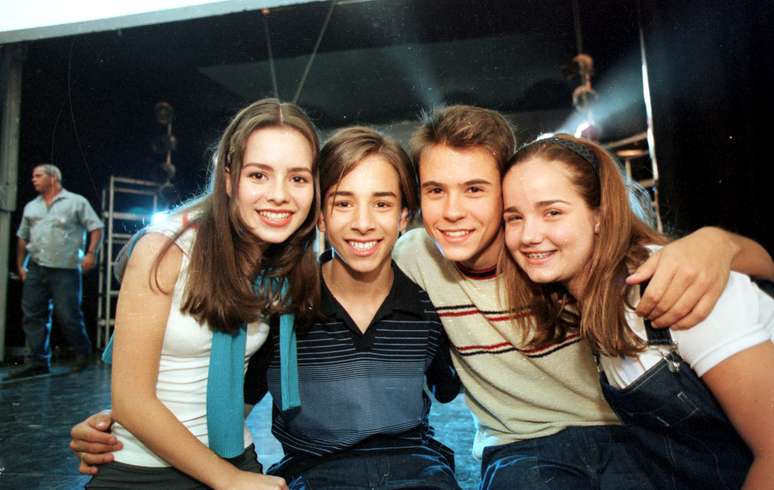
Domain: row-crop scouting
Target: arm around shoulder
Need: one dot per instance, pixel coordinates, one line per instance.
(688, 275)
(751, 258)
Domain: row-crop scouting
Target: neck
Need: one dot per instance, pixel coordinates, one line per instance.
(488, 257)
(348, 285)
(575, 288)
(51, 193)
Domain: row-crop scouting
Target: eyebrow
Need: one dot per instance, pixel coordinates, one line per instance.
(540, 204)
(375, 194)
(432, 183)
(263, 166)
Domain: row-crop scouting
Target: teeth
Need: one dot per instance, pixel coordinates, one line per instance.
(273, 215)
(538, 255)
(456, 234)
(362, 246)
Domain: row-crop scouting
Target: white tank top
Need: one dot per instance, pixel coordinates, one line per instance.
(184, 364)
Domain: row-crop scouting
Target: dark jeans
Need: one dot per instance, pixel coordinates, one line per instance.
(423, 468)
(44, 288)
(125, 476)
(576, 457)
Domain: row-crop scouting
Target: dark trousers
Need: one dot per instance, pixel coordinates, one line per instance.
(125, 476)
(577, 457)
(420, 468)
(47, 288)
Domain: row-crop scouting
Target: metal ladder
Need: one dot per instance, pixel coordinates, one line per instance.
(127, 206)
(639, 166)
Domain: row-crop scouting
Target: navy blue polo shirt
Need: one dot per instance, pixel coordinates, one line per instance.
(360, 391)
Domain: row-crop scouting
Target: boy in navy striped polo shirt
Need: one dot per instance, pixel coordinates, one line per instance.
(363, 366)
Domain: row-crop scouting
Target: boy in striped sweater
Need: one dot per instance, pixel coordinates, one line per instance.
(542, 420)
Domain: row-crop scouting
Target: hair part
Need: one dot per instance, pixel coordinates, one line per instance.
(227, 259)
(349, 146)
(465, 126)
(619, 247)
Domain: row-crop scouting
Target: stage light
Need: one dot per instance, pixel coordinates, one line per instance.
(158, 217)
(588, 130)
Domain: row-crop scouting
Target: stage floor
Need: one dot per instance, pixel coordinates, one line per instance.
(37, 414)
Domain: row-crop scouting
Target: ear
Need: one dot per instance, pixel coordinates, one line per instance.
(596, 222)
(228, 181)
(403, 220)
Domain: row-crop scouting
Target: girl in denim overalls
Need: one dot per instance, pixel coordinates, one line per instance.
(699, 402)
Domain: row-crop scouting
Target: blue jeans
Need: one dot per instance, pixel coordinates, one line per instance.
(47, 288)
(576, 457)
(422, 468)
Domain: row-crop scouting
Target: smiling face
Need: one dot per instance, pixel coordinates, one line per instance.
(276, 186)
(549, 228)
(461, 203)
(362, 216)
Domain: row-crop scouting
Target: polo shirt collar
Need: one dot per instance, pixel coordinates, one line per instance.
(402, 295)
(61, 195)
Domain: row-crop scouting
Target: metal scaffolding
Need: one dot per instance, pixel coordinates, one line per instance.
(638, 166)
(127, 206)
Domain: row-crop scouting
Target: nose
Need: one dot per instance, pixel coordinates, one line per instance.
(362, 221)
(531, 231)
(452, 209)
(278, 193)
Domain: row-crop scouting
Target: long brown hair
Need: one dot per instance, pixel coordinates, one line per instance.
(619, 247)
(227, 258)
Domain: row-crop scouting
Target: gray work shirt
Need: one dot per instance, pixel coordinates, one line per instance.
(55, 233)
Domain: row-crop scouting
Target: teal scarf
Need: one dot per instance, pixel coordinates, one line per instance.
(225, 385)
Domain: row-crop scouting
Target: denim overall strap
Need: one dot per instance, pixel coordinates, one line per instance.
(661, 339)
(656, 336)
(680, 433)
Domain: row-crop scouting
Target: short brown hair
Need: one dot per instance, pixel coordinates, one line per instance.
(464, 126)
(349, 146)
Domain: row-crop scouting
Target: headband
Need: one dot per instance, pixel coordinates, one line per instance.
(581, 150)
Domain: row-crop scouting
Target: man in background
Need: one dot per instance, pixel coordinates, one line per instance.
(50, 261)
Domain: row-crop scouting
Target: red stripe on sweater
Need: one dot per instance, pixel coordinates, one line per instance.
(483, 347)
(458, 313)
(534, 352)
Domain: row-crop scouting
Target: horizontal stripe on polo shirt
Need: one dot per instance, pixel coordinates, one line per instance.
(361, 391)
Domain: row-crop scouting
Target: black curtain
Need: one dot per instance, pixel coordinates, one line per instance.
(711, 73)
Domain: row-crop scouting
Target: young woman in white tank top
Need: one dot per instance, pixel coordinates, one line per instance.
(193, 298)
